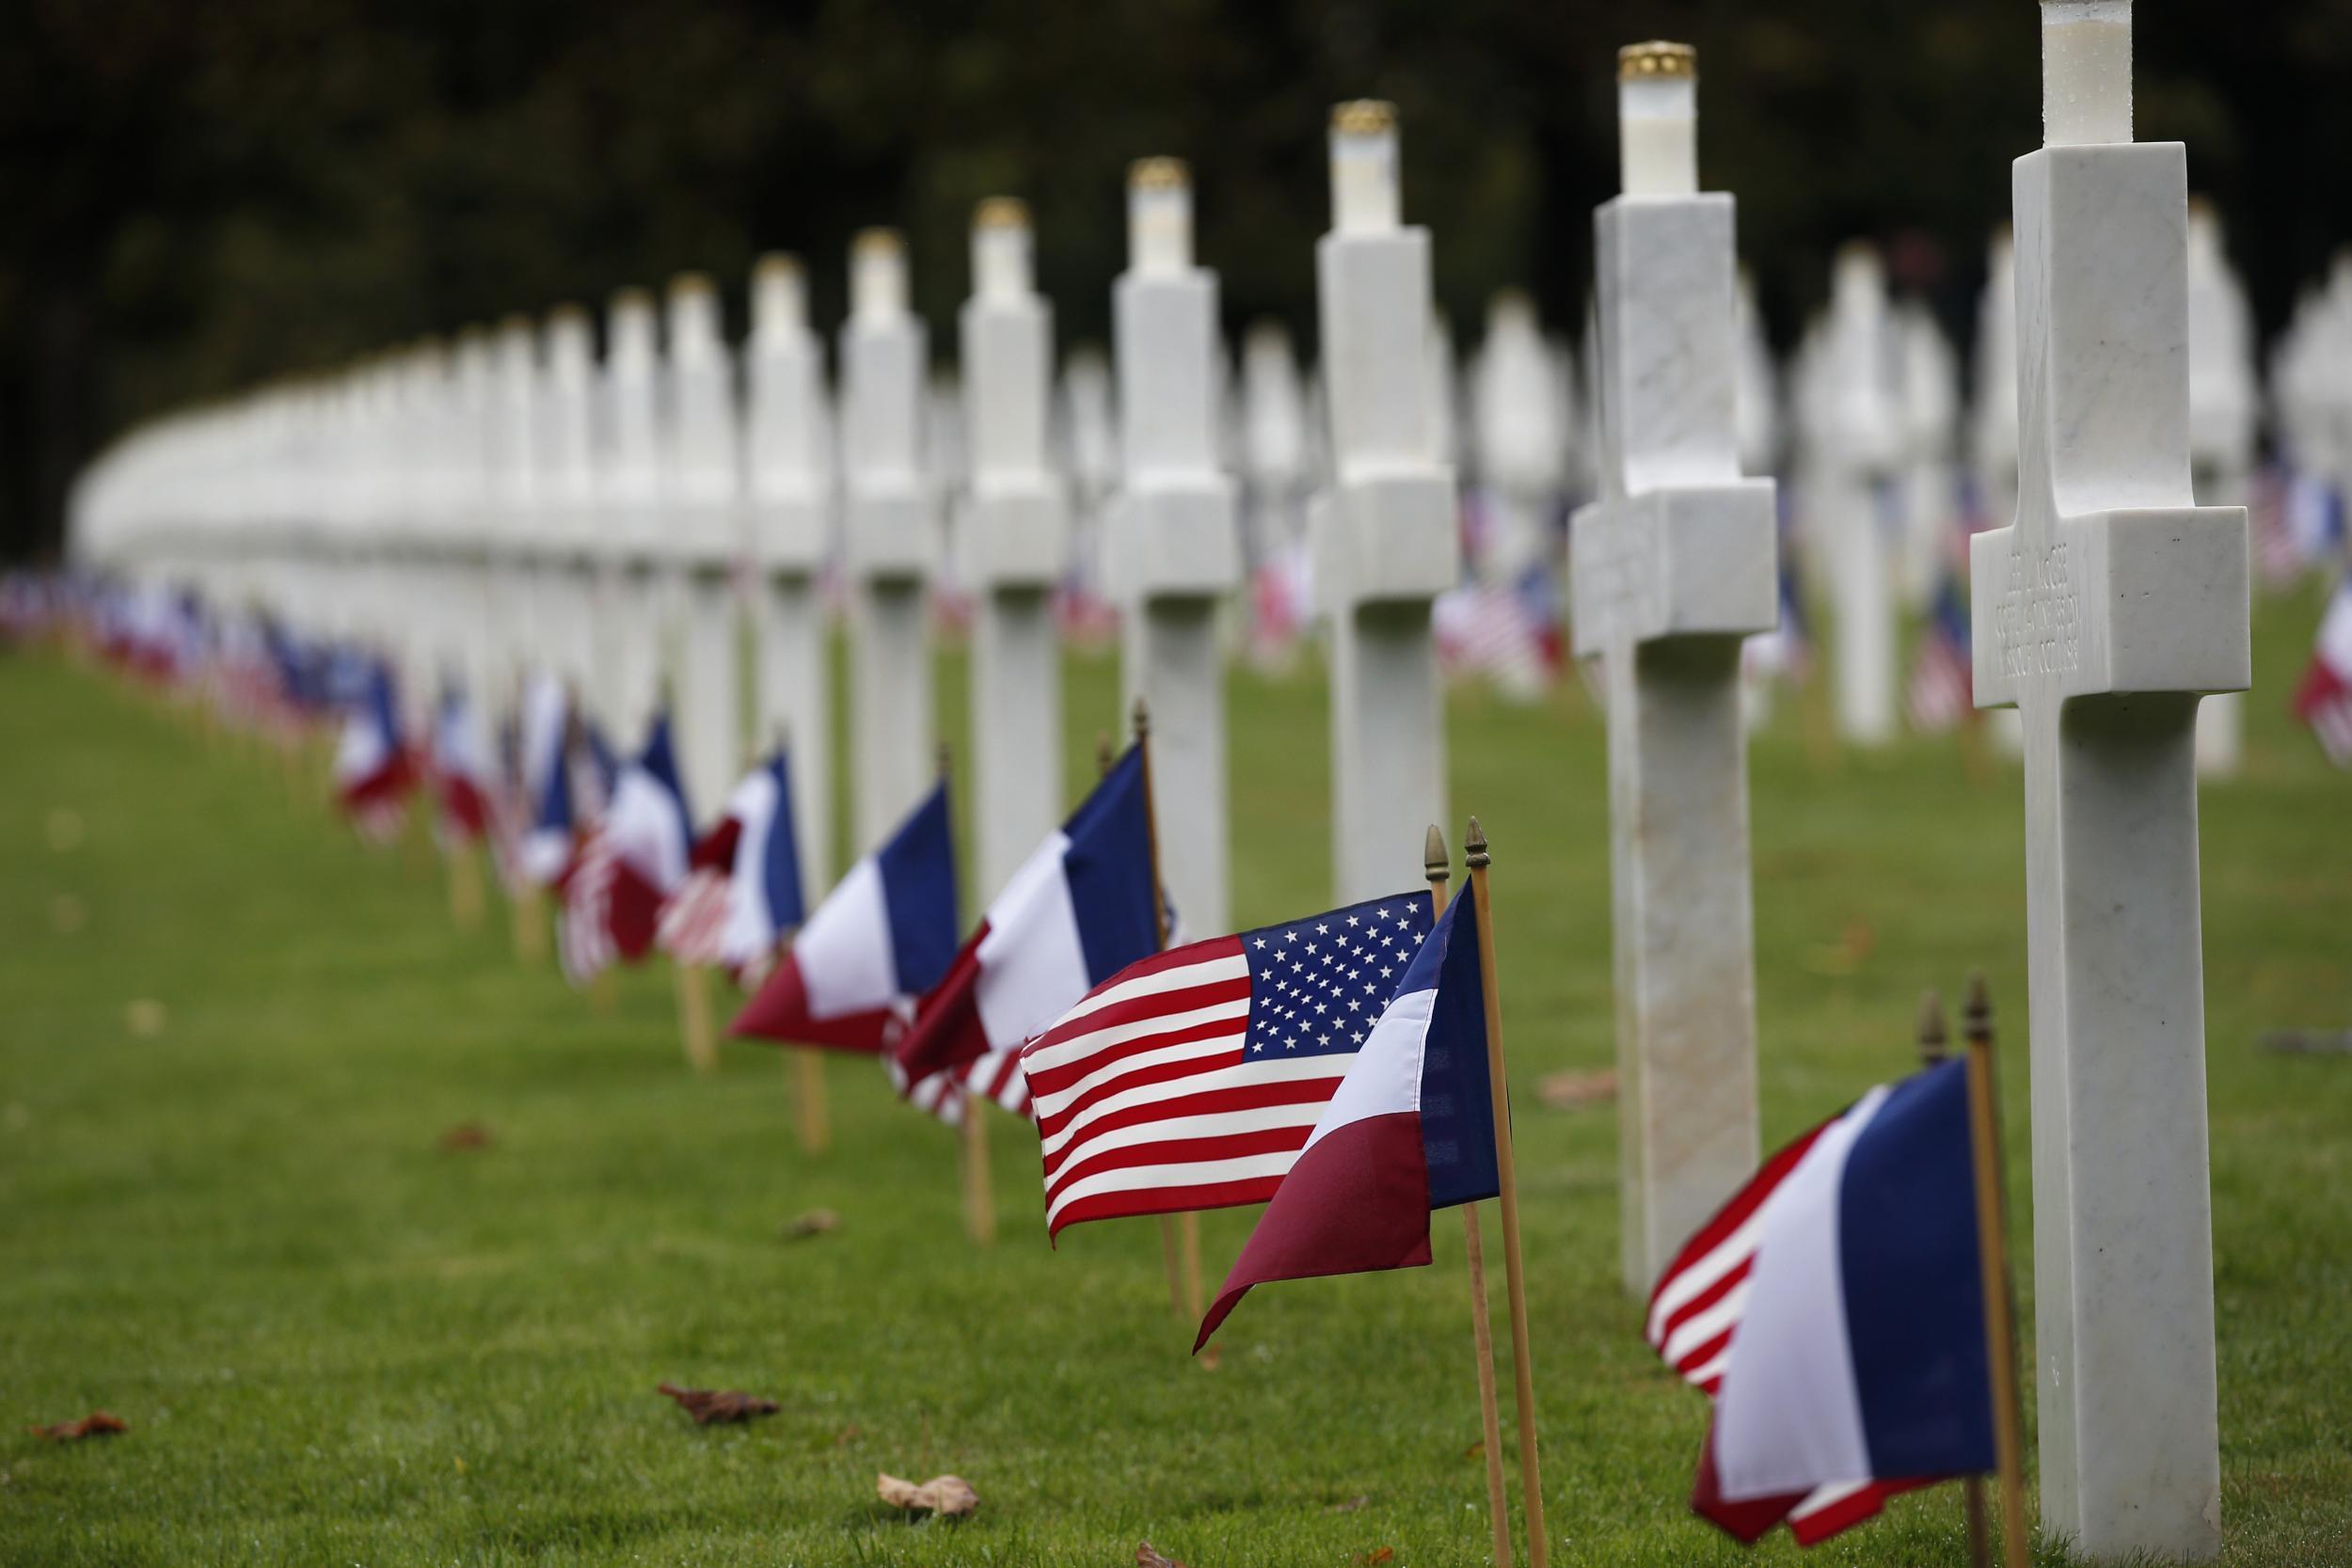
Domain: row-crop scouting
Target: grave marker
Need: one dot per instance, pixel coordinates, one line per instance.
(2104, 613)
(1673, 567)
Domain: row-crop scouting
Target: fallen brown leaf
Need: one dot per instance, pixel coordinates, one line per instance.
(731, 1404)
(1377, 1556)
(847, 1435)
(816, 1221)
(98, 1423)
(949, 1497)
(1210, 1358)
(1149, 1556)
(1348, 1507)
(1570, 1091)
(465, 1135)
(1476, 1450)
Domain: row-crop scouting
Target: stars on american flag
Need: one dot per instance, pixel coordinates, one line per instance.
(1317, 988)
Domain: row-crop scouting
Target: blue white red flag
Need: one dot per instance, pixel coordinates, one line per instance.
(2323, 699)
(544, 762)
(742, 888)
(881, 938)
(465, 774)
(1081, 907)
(1408, 1130)
(1834, 1311)
(373, 772)
(627, 864)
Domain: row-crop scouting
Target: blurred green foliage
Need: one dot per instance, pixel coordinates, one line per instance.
(199, 197)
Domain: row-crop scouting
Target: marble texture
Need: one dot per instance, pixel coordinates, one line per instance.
(1172, 552)
(891, 524)
(1672, 567)
(1384, 545)
(2102, 613)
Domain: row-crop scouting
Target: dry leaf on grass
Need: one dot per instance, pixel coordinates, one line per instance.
(1149, 1556)
(949, 1497)
(465, 1135)
(1376, 1557)
(816, 1221)
(98, 1423)
(1570, 1091)
(708, 1405)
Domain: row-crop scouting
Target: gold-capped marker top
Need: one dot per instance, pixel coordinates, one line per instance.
(1642, 61)
(1158, 174)
(1001, 212)
(1363, 116)
(631, 298)
(878, 242)
(567, 314)
(777, 263)
(687, 284)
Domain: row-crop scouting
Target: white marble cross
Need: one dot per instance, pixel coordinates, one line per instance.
(2224, 404)
(1173, 551)
(1382, 536)
(1857, 441)
(892, 540)
(1672, 568)
(1928, 376)
(628, 486)
(703, 523)
(786, 435)
(566, 457)
(1016, 542)
(2102, 613)
(1521, 428)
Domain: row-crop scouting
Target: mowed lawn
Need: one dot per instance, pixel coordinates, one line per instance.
(231, 1038)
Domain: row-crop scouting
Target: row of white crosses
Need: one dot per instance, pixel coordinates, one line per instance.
(2104, 611)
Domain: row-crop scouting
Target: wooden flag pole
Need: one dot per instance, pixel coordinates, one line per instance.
(1183, 1284)
(808, 1092)
(1932, 1050)
(1522, 1364)
(465, 885)
(1474, 1252)
(693, 1016)
(2000, 1335)
(979, 1194)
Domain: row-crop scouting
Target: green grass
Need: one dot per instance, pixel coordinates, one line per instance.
(335, 1343)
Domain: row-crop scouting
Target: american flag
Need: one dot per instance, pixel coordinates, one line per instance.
(1941, 692)
(1191, 1079)
(996, 1076)
(583, 919)
(2323, 700)
(1696, 1308)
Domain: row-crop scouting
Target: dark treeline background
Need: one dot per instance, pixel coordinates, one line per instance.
(202, 195)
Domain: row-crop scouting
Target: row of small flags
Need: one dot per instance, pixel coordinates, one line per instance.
(1343, 1070)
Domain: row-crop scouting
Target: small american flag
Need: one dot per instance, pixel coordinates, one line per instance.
(583, 920)
(2323, 700)
(996, 1076)
(1191, 1079)
(1942, 692)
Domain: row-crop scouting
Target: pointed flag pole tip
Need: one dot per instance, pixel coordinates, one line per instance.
(1103, 751)
(1977, 1020)
(1932, 1036)
(945, 761)
(1141, 716)
(1433, 855)
(1474, 848)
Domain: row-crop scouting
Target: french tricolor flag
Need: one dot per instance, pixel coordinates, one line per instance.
(1081, 907)
(464, 773)
(764, 896)
(549, 814)
(373, 772)
(648, 832)
(881, 938)
(1835, 1309)
(1409, 1131)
